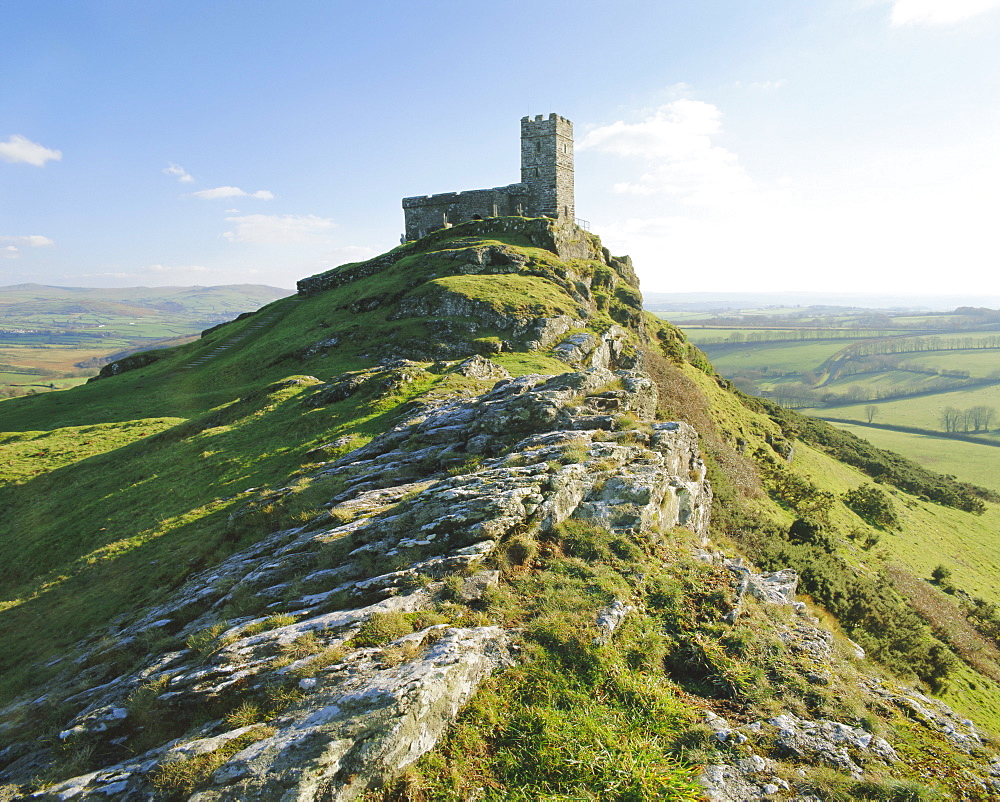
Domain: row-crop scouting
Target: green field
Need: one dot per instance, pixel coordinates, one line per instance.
(974, 462)
(931, 534)
(52, 338)
(796, 357)
(923, 412)
(835, 362)
(981, 363)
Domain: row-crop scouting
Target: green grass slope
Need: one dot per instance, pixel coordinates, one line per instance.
(114, 492)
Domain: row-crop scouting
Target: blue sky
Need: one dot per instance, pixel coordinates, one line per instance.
(829, 145)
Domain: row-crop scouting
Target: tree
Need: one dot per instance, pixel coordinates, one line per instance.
(941, 573)
(951, 419)
(980, 417)
(870, 411)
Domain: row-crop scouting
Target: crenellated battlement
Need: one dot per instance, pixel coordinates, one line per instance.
(541, 118)
(545, 189)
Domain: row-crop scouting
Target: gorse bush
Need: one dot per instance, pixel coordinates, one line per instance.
(812, 532)
(874, 505)
(879, 464)
(867, 607)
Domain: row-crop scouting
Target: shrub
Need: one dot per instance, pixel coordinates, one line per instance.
(267, 624)
(888, 628)
(874, 505)
(520, 550)
(382, 628)
(574, 452)
(584, 539)
(880, 464)
(206, 641)
(809, 530)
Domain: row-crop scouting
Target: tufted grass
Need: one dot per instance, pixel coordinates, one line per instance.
(177, 779)
(571, 720)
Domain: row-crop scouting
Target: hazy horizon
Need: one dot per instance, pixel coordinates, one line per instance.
(811, 147)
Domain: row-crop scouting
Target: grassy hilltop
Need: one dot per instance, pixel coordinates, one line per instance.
(114, 493)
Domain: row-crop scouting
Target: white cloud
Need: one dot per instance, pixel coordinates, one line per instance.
(10, 247)
(680, 156)
(119, 275)
(919, 219)
(32, 241)
(21, 149)
(938, 12)
(232, 192)
(286, 229)
(345, 254)
(177, 269)
(182, 175)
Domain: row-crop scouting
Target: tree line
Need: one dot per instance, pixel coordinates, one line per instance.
(908, 345)
(798, 335)
(974, 419)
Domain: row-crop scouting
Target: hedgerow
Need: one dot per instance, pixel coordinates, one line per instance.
(879, 464)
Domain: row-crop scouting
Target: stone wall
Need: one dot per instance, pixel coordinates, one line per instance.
(428, 213)
(545, 190)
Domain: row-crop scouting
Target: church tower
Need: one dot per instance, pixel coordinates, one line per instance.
(547, 165)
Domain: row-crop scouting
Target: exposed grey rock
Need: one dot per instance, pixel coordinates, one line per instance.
(590, 350)
(476, 585)
(376, 381)
(829, 742)
(609, 619)
(726, 783)
(776, 588)
(359, 731)
(722, 730)
(931, 713)
(548, 448)
(479, 367)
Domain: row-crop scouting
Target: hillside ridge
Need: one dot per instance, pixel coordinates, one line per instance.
(464, 521)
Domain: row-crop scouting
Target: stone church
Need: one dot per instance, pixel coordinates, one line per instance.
(545, 189)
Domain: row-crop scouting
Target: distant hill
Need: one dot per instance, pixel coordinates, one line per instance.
(36, 302)
(52, 338)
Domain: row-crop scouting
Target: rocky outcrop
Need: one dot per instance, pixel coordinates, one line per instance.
(752, 777)
(794, 739)
(320, 661)
(566, 241)
(590, 350)
(124, 365)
